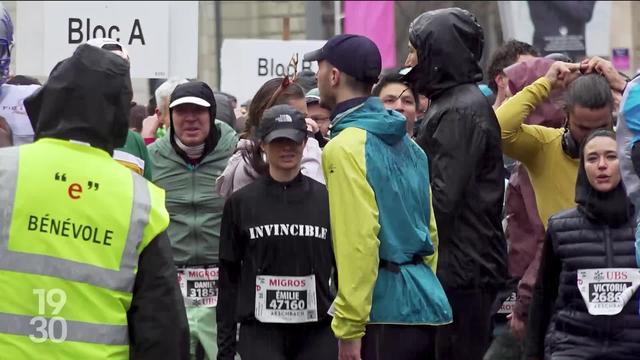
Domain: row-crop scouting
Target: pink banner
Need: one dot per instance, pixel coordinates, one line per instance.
(375, 20)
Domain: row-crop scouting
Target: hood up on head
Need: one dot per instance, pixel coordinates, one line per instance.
(449, 43)
(86, 98)
(612, 208)
(200, 90)
(549, 113)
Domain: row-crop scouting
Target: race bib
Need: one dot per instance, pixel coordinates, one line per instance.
(508, 305)
(199, 286)
(607, 291)
(286, 299)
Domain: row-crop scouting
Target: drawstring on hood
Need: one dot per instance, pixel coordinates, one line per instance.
(449, 43)
(86, 98)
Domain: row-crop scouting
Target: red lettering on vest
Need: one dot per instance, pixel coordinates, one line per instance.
(73, 189)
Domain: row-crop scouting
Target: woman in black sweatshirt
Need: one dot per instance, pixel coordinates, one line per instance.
(585, 303)
(276, 256)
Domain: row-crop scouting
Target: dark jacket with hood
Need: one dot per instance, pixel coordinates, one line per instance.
(193, 204)
(461, 136)
(86, 98)
(598, 233)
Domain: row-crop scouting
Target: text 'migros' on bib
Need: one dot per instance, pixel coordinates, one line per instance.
(607, 291)
(199, 286)
(286, 299)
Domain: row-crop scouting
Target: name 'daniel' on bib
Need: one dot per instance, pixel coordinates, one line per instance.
(286, 299)
(199, 286)
(607, 291)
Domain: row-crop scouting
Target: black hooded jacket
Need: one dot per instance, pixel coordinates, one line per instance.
(461, 136)
(86, 98)
(200, 90)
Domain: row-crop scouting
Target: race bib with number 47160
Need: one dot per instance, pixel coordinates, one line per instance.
(199, 286)
(286, 299)
(607, 291)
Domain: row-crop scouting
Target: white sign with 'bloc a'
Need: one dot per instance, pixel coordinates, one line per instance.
(248, 63)
(160, 37)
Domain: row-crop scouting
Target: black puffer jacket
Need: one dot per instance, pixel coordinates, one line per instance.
(461, 136)
(574, 243)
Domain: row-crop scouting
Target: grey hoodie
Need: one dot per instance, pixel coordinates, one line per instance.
(239, 173)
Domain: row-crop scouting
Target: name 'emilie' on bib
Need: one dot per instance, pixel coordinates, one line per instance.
(286, 299)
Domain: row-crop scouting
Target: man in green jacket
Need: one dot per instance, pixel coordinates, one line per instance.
(186, 164)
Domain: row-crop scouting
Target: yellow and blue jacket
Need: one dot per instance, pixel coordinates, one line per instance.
(380, 204)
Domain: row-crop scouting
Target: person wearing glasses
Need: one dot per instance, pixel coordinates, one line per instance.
(276, 257)
(241, 170)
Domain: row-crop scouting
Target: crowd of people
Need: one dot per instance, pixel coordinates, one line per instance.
(406, 214)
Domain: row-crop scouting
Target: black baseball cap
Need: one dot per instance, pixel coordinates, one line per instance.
(355, 55)
(282, 121)
(194, 92)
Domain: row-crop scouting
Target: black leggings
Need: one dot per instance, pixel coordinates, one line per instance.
(309, 341)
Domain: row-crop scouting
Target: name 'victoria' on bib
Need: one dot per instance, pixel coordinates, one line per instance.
(607, 291)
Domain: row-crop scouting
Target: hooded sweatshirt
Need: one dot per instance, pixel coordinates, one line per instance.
(461, 136)
(380, 207)
(195, 208)
(239, 173)
(86, 99)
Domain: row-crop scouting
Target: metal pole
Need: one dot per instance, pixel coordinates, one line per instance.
(313, 20)
(218, 20)
(286, 28)
(337, 18)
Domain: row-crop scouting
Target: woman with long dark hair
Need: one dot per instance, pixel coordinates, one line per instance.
(585, 302)
(247, 163)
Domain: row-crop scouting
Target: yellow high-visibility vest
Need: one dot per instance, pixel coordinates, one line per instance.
(73, 223)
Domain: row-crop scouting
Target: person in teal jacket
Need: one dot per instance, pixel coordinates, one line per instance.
(383, 229)
(186, 164)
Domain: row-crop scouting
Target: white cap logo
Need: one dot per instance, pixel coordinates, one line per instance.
(284, 118)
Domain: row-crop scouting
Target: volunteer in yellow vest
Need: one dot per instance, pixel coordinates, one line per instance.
(85, 265)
